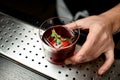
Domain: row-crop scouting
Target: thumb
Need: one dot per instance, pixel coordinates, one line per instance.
(82, 55)
(75, 59)
(72, 60)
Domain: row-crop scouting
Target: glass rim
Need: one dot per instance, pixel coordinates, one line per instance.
(62, 25)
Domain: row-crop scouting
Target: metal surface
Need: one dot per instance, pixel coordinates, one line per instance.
(20, 42)
(12, 71)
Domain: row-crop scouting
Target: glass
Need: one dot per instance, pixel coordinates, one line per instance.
(58, 39)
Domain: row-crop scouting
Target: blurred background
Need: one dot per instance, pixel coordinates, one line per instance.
(31, 11)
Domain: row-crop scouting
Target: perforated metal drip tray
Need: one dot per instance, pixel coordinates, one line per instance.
(20, 42)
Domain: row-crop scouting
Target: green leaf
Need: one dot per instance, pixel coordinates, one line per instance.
(56, 37)
(53, 33)
(58, 41)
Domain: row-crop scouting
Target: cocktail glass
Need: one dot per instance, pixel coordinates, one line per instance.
(58, 39)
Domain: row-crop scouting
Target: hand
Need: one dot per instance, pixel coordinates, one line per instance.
(99, 41)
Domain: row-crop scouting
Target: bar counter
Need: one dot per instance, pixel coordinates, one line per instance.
(21, 52)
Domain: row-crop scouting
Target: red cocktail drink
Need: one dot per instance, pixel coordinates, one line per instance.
(59, 43)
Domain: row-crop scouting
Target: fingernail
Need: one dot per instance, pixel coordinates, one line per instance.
(101, 72)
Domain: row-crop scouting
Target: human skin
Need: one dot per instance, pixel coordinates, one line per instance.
(99, 39)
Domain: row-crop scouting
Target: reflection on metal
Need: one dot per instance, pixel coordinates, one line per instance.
(20, 42)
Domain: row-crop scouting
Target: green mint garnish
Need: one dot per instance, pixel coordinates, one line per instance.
(56, 37)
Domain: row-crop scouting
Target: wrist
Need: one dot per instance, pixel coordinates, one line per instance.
(113, 16)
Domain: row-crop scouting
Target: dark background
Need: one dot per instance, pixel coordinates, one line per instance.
(31, 11)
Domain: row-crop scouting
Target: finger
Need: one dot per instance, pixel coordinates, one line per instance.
(72, 25)
(76, 24)
(83, 54)
(109, 61)
(72, 60)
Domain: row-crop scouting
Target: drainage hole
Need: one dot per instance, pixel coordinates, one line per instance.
(26, 36)
(66, 75)
(31, 38)
(39, 62)
(97, 66)
(23, 29)
(36, 54)
(20, 54)
(29, 31)
(59, 72)
(43, 57)
(9, 29)
(12, 43)
(119, 75)
(16, 38)
(70, 69)
(24, 48)
(111, 71)
(22, 41)
(40, 49)
(34, 46)
(8, 48)
(92, 78)
(20, 33)
(26, 57)
(18, 46)
(109, 78)
(30, 51)
(1, 38)
(18, 26)
(28, 43)
(14, 51)
(5, 33)
(84, 75)
(74, 78)
(63, 66)
(10, 36)
(2, 45)
(14, 31)
(114, 65)
(32, 59)
(46, 66)
(35, 33)
(6, 41)
(87, 69)
(37, 40)
(77, 72)
(94, 72)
